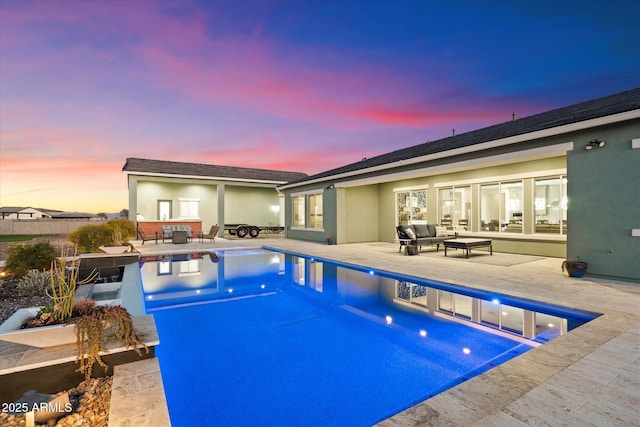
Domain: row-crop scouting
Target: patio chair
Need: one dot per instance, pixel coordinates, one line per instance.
(213, 232)
(145, 237)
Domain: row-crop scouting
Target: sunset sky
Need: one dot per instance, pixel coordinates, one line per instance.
(294, 85)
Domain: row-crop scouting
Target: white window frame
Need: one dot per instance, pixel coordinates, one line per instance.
(188, 208)
(306, 195)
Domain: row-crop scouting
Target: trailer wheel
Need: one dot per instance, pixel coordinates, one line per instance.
(242, 232)
(254, 231)
(232, 231)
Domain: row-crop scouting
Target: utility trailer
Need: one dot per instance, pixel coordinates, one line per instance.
(241, 230)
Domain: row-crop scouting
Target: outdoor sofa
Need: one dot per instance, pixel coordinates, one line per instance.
(423, 234)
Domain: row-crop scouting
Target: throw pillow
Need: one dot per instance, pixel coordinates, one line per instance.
(410, 233)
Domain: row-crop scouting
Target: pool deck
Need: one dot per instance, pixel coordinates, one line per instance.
(589, 376)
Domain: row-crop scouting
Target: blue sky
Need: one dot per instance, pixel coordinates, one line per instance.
(297, 85)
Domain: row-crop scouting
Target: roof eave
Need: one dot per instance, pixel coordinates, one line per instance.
(515, 139)
(208, 178)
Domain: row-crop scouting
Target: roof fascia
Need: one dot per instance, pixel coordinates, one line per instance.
(481, 162)
(544, 133)
(207, 178)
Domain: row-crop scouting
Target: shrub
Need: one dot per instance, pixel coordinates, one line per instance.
(21, 258)
(123, 230)
(34, 283)
(89, 238)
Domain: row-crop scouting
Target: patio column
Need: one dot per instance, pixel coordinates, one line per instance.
(221, 209)
(133, 198)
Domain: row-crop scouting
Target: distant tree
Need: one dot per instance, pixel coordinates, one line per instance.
(124, 213)
(103, 215)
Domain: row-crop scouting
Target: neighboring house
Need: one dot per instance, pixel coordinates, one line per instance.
(563, 183)
(162, 191)
(76, 215)
(21, 212)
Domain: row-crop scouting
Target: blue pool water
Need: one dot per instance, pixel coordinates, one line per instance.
(254, 338)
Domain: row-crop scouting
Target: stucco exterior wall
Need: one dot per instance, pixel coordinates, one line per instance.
(333, 199)
(361, 210)
(248, 205)
(604, 202)
(149, 192)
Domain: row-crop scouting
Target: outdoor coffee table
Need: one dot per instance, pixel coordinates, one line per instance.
(467, 244)
(179, 237)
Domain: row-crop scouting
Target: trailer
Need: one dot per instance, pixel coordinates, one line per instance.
(241, 230)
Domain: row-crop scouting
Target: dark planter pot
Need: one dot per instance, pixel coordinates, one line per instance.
(331, 241)
(411, 249)
(575, 268)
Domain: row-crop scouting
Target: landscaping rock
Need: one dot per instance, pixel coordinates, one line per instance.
(92, 410)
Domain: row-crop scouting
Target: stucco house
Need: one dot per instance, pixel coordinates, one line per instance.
(563, 183)
(202, 195)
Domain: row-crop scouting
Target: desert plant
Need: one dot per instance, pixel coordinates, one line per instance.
(123, 230)
(89, 238)
(64, 280)
(22, 257)
(91, 334)
(34, 283)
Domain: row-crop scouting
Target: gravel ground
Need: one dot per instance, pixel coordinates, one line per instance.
(11, 300)
(92, 409)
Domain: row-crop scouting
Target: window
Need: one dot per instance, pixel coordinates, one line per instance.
(411, 207)
(315, 210)
(307, 211)
(501, 207)
(455, 207)
(298, 211)
(550, 205)
(189, 208)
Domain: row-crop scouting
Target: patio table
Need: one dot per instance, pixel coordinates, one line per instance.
(179, 237)
(467, 244)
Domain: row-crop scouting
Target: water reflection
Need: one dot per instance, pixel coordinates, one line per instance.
(204, 277)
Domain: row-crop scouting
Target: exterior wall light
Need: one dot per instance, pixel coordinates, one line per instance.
(595, 143)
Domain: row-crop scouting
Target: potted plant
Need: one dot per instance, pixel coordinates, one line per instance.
(92, 328)
(65, 320)
(574, 268)
(50, 325)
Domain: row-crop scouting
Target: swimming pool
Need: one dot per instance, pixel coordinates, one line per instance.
(258, 337)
